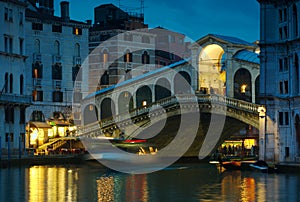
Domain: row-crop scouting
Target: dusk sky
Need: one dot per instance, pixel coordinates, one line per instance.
(194, 18)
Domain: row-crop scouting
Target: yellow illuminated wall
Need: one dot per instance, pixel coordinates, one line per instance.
(211, 75)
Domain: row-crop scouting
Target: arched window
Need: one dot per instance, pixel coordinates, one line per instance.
(145, 58)
(128, 56)
(295, 20)
(296, 73)
(77, 50)
(11, 83)
(37, 46)
(56, 48)
(105, 57)
(6, 83)
(21, 84)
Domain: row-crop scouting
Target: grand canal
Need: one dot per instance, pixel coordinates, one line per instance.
(180, 182)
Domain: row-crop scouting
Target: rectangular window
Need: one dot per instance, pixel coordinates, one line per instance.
(9, 115)
(5, 44)
(280, 62)
(37, 26)
(20, 18)
(37, 70)
(286, 87)
(10, 15)
(21, 46)
(57, 28)
(77, 31)
(280, 33)
(37, 96)
(57, 72)
(22, 116)
(6, 14)
(281, 87)
(281, 118)
(57, 96)
(286, 118)
(285, 32)
(10, 45)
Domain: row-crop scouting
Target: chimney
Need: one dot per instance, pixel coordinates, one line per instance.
(64, 10)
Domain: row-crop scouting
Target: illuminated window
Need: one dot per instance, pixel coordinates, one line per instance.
(77, 31)
(243, 88)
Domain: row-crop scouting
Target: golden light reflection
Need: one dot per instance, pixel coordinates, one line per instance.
(137, 188)
(105, 189)
(52, 184)
(248, 190)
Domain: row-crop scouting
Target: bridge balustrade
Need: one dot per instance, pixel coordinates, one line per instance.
(173, 100)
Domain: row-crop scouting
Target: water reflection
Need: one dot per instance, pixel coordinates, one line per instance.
(179, 183)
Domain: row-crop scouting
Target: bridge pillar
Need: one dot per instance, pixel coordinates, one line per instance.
(253, 89)
(262, 133)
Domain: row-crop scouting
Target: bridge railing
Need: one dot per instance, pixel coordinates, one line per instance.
(229, 102)
(173, 100)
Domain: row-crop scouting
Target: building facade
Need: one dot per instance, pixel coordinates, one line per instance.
(121, 47)
(279, 79)
(13, 96)
(56, 48)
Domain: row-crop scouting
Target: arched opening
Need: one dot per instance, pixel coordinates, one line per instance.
(296, 73)
(104, 80)
(295, 21)
(37, 46)
(297, 129)
(56, 48)
(127, 56)
(145, 58)
(107, 108)
(6, 83)
(212, 74)
(90, 114)
(105, 57)
(162, 89)
(243, 85)
(21, 84)
(125, 102)
(143, 96)
(182, 83)
(257, 86)
(77, 50)
(11, 83)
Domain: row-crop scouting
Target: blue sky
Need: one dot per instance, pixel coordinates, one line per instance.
(194, 18)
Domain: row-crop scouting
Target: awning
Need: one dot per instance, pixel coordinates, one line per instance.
(59, 123)
(38, 124)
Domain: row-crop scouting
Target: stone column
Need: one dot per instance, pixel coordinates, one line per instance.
(262, 133)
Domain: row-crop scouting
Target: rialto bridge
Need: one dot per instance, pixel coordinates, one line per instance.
(214, 91)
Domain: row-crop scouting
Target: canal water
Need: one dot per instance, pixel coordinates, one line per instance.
(180, 182)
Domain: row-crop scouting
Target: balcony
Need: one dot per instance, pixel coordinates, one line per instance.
(37, 57)
(15, 99)
(76, 61)
(37, 82)
(56, 59)
(57, 84)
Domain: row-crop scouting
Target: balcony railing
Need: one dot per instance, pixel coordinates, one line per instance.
(15, 99)
(57, 84)
(76, 61)
(37, 57)
(56, 59)
(37, 82)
